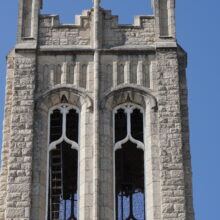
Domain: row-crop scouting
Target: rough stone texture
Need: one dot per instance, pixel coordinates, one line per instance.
(185, 134)
(6, 134)
(142, 33)
(97, 65)
(170, 138)
(53, 33)
(21, 139)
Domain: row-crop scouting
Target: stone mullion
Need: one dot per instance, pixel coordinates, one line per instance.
(85, 176)
(127, 75)
(106, 167)
(152, 166)
(140, 73)
(115, 74)
(64, 73)
(170, 137)
(39, 176)
(52, 75)
(21, 143)
(77, 74)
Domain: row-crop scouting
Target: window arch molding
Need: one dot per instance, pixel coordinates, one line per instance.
(138, 95)
(43, 104)
(53, 97)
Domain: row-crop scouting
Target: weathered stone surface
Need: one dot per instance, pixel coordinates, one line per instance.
(142, 33)
(53, 33)
(97, 65)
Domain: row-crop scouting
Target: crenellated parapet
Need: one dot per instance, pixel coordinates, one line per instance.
(141, 33)
(52, 32)
(35, 29)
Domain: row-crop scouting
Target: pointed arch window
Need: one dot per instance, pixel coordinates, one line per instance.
(63, 163)
(129, 163)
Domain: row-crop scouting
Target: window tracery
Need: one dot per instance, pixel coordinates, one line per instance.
(63, 163)
(129, 163)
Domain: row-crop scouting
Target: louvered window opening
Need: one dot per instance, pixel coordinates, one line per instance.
(63, 164)
(129, 164)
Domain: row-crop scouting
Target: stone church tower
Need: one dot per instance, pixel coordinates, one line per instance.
(96, 119)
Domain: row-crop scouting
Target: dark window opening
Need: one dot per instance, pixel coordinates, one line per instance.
(120, 125)
(129, 171)
(137, 128)
(56, 120)
(63, 178)
(72, 121)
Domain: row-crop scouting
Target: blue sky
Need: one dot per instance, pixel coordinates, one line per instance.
(198, 32)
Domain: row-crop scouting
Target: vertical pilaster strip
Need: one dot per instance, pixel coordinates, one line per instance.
(64, 73)
(52, 75)
(77, 74)
(140, 72)
(115, 73)
(96, 110)
(127, 71)
(96, 136)
(89, 75)
(152, 70)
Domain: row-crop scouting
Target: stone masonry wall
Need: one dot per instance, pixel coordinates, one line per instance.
(92, 73)
(185, 135)
(142, 33)
(51, 32)
(21, 139)
(6, 134)
(170, 136)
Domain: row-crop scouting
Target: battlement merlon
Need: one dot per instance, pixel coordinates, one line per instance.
(164, 11)
(160, 28)
(28, 18)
